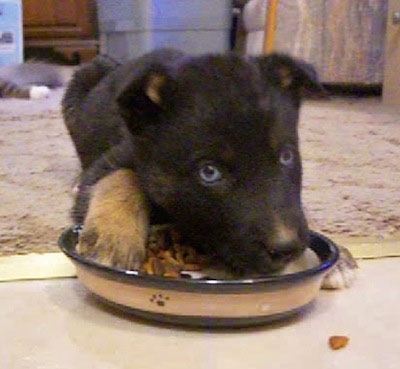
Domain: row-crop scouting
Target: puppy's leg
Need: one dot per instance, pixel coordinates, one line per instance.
(343, 274)
(116, 224)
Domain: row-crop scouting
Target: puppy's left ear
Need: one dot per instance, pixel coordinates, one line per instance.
(292, 75)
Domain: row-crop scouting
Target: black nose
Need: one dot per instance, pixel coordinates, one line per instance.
(285, 251)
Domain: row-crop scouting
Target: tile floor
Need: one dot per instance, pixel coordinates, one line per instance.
(57, 324)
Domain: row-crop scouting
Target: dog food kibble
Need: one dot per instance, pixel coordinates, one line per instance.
(338, 342)
(167, 257)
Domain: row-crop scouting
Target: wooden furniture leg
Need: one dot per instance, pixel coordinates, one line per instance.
(391, 82)
(270, 26)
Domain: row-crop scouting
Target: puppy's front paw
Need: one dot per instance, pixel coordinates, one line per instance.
(116, 225)
(343, 274)
(114, 245)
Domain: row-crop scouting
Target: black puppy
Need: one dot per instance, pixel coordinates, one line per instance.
(211, 143)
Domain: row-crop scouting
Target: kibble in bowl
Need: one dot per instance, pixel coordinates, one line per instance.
(168, 256)
(176, 294)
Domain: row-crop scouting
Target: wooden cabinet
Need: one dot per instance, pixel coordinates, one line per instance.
(344, 39)
(68, 27)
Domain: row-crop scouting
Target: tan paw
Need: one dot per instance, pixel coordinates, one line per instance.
(116, 225)
(343, 274)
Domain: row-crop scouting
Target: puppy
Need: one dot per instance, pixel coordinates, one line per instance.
(208, 143)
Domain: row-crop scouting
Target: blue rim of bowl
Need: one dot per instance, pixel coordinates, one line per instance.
(326, 250)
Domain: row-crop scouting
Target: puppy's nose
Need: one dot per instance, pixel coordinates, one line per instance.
(287, 248)
(285, 251)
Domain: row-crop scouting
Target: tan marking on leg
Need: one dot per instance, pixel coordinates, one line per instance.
(116, 226)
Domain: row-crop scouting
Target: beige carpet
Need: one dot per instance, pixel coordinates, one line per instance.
(37, 170)
(351, 151)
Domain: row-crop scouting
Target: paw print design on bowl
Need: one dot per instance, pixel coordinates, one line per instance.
(159, 299)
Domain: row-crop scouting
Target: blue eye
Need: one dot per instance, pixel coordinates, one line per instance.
(209, 173)
(287, 157)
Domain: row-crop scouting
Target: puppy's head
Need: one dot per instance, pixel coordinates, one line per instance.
(216, 148)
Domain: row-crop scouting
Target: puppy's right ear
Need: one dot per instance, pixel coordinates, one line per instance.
(291, 75)
(141, 100)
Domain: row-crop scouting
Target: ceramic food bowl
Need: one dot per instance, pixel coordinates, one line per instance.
(204, 302)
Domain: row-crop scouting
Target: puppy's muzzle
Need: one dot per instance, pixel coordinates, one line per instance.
(286, 243)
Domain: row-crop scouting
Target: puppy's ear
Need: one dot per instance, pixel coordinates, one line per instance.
(290, 74)
(142, 99)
